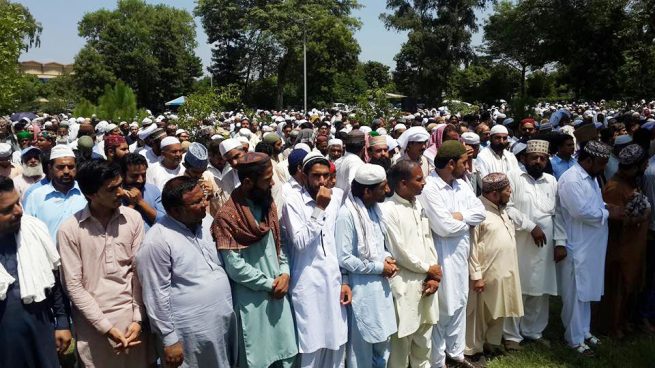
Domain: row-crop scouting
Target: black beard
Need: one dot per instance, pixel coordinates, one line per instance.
(385, 162)
(535, 171)
(497, 147)
(262, 197)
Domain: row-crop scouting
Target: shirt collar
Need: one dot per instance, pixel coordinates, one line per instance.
(442, 184)
(402, 200)
(52, 188)
(85, 213)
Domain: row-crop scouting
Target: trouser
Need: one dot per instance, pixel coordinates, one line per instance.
(532, 324)
(363, 354)
(481, 327)
(576, 314)
(412, 350)
(324, 358)
(448, 336)
(284, 363)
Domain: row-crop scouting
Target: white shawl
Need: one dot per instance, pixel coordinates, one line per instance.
(364, 227)
(37, 258)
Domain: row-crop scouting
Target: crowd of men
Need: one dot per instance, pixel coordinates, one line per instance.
(292, 240)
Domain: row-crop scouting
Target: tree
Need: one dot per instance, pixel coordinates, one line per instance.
(255, 41)
(117, 103)
(19, 31)
(376, 74)
(149, 47)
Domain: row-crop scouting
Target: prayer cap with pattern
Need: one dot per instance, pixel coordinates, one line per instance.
(494, 182)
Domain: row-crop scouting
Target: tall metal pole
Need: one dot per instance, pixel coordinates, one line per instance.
(304, 65)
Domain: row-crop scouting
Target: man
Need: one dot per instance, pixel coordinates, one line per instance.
(59, 199)
(378, 151)
(317, 293)
(225, 176)
(133, 136)
(143, 197)
(182, 135)
(185, 289)
(527, 129)
(367, 265)
(482, 130)
(170, 164)
(46, 140)
(494, 270)
(581, 263)
(8, 168)
(248, 237)
(409, 240)
(452, 209)
(24, 141)
(195, 166)
(97, 248)
(115, 147)
(472, 143)
(32, 170)
(152, 136)
(563, 159)
(34, 324)
(335, 149)
(321, 144)
(352, 159)
(627, 245)
(538, 230)
(274, 141)
(496, 158)
(413, 143)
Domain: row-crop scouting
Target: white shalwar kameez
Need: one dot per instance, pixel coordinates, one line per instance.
(452, 240)
(488, 162)
(580, 274)
(532, 204)
(315, 285)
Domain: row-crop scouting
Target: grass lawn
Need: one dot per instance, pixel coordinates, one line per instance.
(635, 351)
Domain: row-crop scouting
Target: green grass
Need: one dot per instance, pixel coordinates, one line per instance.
(635, 351)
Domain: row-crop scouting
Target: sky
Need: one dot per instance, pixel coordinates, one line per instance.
(60, 41)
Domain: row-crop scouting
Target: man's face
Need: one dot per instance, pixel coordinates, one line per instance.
(109, 194)
(44, 144)
(233, 156)
(416, 149)
(121, 151)
(483, 132)
(527, 130)
(324, 130)
(598, 166)
(25, 142)
(322, 146)
(133, 131)
(183, 137)
(416, 182)
(172, 155)
(63, 171)
(379, 193)
(135, 177)
(277, 147)
(217, 161)
(62, 131)
(32, 159)
(286, 130)
(535, 164)
(566, 149)
(318, 176)
(335, 152)
(504, 196)
(193, 172)
(10, 212)
(261, 191)
(379, 151)
(499, 142)
(461, 166)
(170, 130)
(195, 206)
(245, 124)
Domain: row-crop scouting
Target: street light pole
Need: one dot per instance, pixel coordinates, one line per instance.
(304, 66)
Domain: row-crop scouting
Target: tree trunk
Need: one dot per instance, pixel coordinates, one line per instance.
(522, 82)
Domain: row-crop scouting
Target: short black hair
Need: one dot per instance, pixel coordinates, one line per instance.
(133, 159)
(402, 170)
(93, 174)
(6, 184)
(214, 147)
(441, 162)
(175, 189)
(357, 189)
(264, 147)
(355, 147)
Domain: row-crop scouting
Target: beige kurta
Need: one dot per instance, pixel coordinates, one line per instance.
(409, 240)
(493, 258)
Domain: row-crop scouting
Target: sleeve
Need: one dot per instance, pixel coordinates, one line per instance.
(154, 269)
(137, 298)
(573, 198)
(475, 270)
(441, 221)
(521, 221)
(159, 207)
(60, 305)
(559, 235)
(301, 231)
(346, 240)
(398, 248)
(475, 212)
(283, 260)
(244, 274)
(73, 274)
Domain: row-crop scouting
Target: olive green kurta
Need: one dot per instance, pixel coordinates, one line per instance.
(266, 324)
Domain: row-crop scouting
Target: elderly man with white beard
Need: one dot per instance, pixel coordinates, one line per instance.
(32, 170)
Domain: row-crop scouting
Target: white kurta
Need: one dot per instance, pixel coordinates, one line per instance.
(409, 240)
(346, 168)
(226, 179)
(488, 162)
(451, 236)
(533, 203)
(315, 284)
(158, 175)
(585, 220)
(150, 155)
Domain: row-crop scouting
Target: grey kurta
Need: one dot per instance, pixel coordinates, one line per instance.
(187, 293)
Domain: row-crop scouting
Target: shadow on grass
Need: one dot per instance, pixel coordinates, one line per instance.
(636, 351)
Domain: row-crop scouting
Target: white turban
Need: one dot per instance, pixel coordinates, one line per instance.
(413, 134)
(498, 129)
(369, 174)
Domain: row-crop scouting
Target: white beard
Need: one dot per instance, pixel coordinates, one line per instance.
(32, 171)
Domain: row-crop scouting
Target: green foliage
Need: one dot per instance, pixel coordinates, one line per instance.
(18, 32)
(84, 108)
(373, 104)
(117, 103)
(150, 47)
(484, 81)
(202, 104)
(376, 74)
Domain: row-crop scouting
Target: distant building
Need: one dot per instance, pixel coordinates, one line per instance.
(45, 71)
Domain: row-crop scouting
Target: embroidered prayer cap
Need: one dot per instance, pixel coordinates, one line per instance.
(498, 129)
(252, 159)
(313, 158)
(494, 182)
(197, 156)
(631, 154)
(470, 138)
(451, 150)
(113, 141)
(598, 149)
(158, 133)
(528, 121)
(62, 150)
(379, 140)
(370, 174)
(271, 138)
(168, 141)
(537, 146)
(228, 145)
(5, 150)
(335, 142)
(413, 134)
